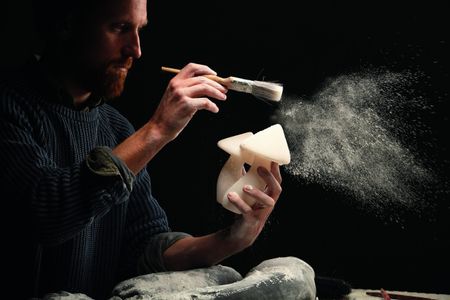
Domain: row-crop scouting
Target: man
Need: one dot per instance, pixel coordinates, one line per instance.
(73, 169)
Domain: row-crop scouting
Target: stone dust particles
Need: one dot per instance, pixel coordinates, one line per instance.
(360, 134)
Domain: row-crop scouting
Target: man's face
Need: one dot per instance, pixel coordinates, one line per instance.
(108, 50)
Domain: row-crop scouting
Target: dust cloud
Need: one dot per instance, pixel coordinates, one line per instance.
(361, 134)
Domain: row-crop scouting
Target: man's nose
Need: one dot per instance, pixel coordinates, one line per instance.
(133, 46)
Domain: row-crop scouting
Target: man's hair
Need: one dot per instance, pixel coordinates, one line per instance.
(50, 16)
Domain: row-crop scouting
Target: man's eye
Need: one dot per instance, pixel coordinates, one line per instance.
(120, 27)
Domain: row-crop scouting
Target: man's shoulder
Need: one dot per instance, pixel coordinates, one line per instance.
(13, 93)
(17, 84)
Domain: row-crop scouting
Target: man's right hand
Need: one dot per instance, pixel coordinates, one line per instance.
(186, 93)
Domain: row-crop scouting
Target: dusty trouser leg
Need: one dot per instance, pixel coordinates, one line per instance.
(278, 278)
(165, 285)
(63, 295)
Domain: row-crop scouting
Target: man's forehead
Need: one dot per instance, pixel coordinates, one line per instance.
(135, 10)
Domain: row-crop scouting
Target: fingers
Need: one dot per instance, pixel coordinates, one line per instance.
(272, 179)
(193, 89)
(195, 97)
(192, 69)
(240, 204)
(202, 90)
(275, 169)
(204, 103)
(204, 80)
(186, 93)
(261, 198)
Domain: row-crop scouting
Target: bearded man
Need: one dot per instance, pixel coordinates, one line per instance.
(77, 195)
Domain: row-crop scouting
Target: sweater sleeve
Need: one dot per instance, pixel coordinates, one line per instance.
(146, 220)
(103, 162)
(59, 201)
(152, 261)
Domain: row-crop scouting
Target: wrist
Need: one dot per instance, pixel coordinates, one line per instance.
(239, 235)
(139, 148)
(155, 135)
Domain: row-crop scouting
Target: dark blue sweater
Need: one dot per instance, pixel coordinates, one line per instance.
(66, 227)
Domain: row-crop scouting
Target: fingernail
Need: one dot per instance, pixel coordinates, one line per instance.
(248, 187)
(230, 195)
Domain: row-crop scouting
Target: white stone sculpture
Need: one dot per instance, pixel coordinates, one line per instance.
(256, 150)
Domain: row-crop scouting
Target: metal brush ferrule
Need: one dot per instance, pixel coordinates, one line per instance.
(241, 85)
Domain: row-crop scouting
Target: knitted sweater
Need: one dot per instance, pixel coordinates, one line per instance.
(68, 228)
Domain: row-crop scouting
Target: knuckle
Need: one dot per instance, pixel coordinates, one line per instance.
(173, 85)
(202, 79)
(247, 210)
(178, 93)
(279, 189)
(206, 102)
(184, 102)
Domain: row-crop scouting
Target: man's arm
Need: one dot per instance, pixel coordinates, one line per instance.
(194, 252)
(55, 196)
(184, 96)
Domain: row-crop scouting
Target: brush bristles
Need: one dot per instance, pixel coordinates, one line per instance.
(267, 90)
(261, 89)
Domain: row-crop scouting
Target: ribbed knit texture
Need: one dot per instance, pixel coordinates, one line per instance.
(86, 231)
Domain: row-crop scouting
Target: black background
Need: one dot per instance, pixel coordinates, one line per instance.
(299, 44)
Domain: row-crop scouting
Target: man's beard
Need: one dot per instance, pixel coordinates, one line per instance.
(112, 81)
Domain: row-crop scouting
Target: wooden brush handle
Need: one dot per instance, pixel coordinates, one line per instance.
(170, 70)
(223, 81)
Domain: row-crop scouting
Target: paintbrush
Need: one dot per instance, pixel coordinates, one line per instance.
(260, 89)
